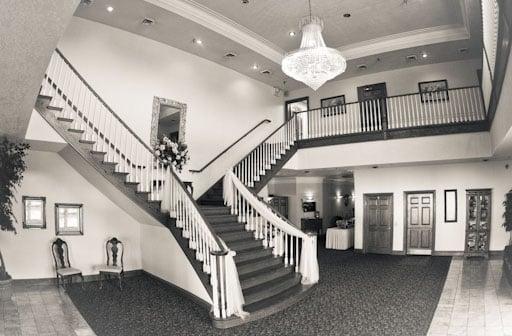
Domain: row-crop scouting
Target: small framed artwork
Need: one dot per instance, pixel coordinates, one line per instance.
(333, 106)
(34, 212)
(69, 219)
(433, 91)
(450, 206)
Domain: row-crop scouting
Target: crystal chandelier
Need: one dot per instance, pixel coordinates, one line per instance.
(313, 63)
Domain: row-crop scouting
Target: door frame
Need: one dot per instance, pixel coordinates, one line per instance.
(365, 220)
(291, 101)
(433, 192)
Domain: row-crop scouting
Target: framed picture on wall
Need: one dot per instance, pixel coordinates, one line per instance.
(333, 106)
(433, 91)
(34, 212)
(69, 219)
(450, 206)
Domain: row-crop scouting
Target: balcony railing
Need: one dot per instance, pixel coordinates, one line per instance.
(453, 106)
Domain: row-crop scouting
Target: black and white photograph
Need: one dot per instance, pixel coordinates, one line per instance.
(255, 168)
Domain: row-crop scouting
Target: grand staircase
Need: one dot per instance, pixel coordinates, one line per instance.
(103, 148)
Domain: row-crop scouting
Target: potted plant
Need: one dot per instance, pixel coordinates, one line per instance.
(507, 254)
(174, 153)
(12, 167)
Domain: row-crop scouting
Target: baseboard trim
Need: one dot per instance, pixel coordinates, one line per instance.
(75, 279)
(358, 251)
(191, 296)
(448, 253)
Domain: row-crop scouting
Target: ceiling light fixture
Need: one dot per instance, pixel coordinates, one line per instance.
(292, 33)
(110, 9)
(255, 67)
(424, 54)
(197, 41)
(148, 21)
(347, 15)
(313, 63)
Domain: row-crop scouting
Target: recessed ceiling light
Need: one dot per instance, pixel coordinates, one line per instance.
(463, 50)
(110, 9)
(255, 67)
(230, 54)
(266, 72)
(424, 54)
(148, 21)
(362, 67)
(411, 58)
(347, 15)
(86, 2)
(197, 41)
(292, 33)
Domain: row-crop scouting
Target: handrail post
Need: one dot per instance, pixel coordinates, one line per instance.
(297, 130)
(218, 281)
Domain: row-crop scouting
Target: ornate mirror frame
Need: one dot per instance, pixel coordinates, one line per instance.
(157, 101)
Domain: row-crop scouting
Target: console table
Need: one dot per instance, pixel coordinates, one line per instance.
(339, 239)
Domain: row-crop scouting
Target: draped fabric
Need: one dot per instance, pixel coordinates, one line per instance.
(234, 296)
(166, 205)
(308, 262)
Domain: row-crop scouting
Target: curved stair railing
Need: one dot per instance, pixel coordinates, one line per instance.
(297, 248)
(75, 102)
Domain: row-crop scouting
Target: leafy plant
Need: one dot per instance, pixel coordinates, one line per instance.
(508, 212)
(12, 167)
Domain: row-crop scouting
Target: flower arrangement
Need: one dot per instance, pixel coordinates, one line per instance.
(175, 153)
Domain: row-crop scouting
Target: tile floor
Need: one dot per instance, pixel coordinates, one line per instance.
(476, 300)
(41, 310)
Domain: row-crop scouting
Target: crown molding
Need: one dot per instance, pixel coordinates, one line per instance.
(222, 25)
(232, 30)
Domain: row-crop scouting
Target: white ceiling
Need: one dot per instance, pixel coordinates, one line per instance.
(380, 33)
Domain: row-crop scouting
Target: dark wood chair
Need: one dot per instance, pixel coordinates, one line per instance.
(114, 266)
(63, 268)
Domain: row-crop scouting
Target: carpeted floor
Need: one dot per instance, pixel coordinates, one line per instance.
(357, 295)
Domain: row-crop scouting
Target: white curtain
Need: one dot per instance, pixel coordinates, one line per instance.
(166, 205)
(234, 296)
(308, 262)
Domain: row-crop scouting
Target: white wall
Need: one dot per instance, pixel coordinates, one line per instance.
(401, 81)
(28, 254)
(439, 148)
(128, 70)
(462, 176)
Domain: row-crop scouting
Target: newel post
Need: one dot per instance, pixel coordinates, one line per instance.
(218, 281)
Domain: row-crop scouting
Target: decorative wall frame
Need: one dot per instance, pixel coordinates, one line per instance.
(34, 212)
(450, 205)
(157, 102)
(434, 91)
(69, 219)
(332, 106)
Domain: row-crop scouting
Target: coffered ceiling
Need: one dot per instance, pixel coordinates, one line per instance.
(378, 33)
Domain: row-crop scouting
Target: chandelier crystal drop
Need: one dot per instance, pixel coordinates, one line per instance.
(313, 63)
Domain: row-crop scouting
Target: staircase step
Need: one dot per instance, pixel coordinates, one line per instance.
(212, 203)
(107, 163)
(54, 108)
(230, 227)
(98, 154)
(220, 210)
(271, 289)
(245, 244)
(252, 268)
(217, 219)
(90, 142)
(235, 236)
(64, 119)
(74, 130)
(252, 254)
(279, 301)
(263, 278)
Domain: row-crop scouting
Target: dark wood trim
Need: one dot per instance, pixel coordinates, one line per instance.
(291, 101)
(456, 206)
(53, 281)
(24, 215)
(365, 220)
(230, 146)
(202, 303)
(433, 239)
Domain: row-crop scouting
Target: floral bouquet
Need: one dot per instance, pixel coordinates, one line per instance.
(175, 153)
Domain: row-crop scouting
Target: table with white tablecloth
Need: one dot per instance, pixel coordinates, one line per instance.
(339, 239)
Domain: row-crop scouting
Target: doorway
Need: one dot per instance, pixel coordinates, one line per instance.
(372, 104)
(419, 222)
(378, 223)
(168, 119)
(294, 106)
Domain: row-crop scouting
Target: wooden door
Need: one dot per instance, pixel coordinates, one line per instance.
(378, 223)
(372, 104)
(420, 223)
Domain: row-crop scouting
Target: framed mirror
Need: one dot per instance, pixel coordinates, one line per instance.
(69, 219)
(168, 119)
(34, 212)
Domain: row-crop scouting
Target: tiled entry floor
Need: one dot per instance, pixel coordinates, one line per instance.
(41, 310)
(476, 300)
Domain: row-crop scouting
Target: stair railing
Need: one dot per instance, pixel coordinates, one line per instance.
(253, 165)
(297, 248)
(75, 101)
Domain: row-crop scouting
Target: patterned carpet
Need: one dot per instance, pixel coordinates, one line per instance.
(357, 295)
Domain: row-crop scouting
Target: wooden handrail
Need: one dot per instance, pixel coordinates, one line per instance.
(400, 95)
(229, 147)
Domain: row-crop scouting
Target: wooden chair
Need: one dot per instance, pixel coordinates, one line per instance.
(63, 269)
(114, 266)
